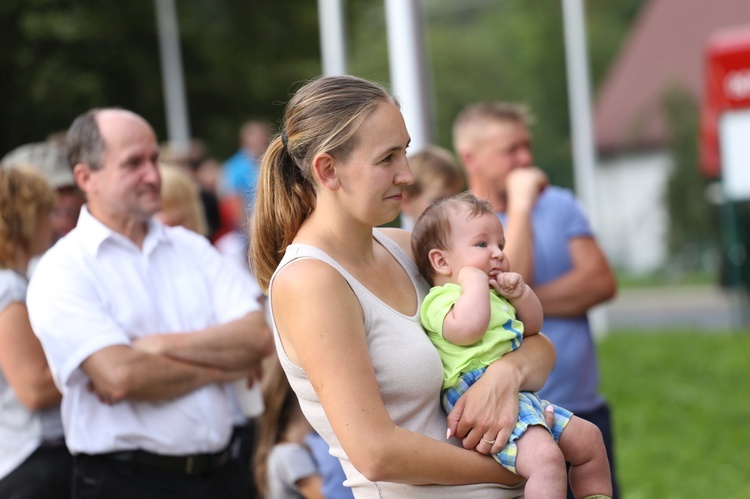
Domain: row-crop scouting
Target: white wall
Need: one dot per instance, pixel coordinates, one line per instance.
(633, 217)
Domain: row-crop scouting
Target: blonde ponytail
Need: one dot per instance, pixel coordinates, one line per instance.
(283, 201)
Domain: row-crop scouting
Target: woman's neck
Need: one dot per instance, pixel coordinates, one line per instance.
(338, 236)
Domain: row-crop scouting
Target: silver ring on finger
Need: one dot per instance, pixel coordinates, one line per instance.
(488, 441)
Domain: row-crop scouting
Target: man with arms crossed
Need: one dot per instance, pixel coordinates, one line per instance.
(144, 326)
(550, 244)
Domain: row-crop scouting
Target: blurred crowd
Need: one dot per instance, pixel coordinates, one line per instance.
(136, 353)
(43, 196)
(41, 201)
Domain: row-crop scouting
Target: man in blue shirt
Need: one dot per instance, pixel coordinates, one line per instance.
(240, 172)
(549, 242)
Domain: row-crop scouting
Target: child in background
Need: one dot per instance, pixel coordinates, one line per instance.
(479, 311)
(284, 465)
(436, 176)
(329, 468)
(180, 200)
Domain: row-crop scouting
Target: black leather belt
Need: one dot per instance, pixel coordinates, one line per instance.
(193, 464)
(56, 442)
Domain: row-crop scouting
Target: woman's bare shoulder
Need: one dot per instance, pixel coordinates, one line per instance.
(401, 236)
(309, 281)
(310, 295)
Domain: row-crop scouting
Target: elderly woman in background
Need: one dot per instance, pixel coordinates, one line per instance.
(34, 462)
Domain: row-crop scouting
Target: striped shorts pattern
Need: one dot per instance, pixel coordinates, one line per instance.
(531, 412)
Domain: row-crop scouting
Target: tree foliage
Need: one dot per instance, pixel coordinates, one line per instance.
(242, 58)
(60, 58)
(498, 50)
(694, 223)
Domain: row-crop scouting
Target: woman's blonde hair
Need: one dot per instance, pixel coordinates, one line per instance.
(323, 116)
(25, 199)
(180, 195)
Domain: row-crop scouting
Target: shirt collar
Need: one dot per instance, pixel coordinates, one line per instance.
(94, 233)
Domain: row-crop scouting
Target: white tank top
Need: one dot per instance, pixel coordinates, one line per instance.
(408, 371)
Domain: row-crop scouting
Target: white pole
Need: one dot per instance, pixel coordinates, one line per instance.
(332, 39)
(407, 67)
(178, 126)
(584, 153)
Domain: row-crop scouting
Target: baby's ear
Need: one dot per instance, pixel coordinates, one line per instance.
(439, 262)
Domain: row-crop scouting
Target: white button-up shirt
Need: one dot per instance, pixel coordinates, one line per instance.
(95, 289)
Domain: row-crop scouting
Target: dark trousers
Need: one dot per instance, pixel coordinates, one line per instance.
(245, 438)
(46, 474)
(602, 419)
(100, 477)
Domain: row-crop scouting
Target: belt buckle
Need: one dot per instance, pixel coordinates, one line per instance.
(189, 464)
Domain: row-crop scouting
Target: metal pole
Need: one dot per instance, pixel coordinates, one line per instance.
(332, 39)
(407, 67)
(584, 153)
(178, 126)
(735, 256)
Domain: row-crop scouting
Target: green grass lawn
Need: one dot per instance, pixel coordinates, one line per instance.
(661, 279)
(681, 411)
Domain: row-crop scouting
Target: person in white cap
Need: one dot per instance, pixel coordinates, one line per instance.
(50, 158)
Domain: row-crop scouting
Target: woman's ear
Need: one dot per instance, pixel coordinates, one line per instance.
(324, 169)
(439, 262)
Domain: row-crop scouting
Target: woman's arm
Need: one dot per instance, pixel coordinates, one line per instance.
(489, 408)
(323, 332)
(22, 360)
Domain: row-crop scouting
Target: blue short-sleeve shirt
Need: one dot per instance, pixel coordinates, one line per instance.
(574, 382)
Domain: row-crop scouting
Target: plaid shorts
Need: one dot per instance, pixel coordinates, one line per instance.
(531, 412)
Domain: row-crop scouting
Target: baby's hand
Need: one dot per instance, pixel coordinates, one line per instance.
(509, 285)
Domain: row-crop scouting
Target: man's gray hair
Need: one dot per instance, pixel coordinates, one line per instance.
(84, 142)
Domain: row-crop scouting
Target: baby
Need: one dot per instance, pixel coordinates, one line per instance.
(477, 312)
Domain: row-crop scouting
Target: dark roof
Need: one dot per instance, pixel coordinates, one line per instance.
(665, 47)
